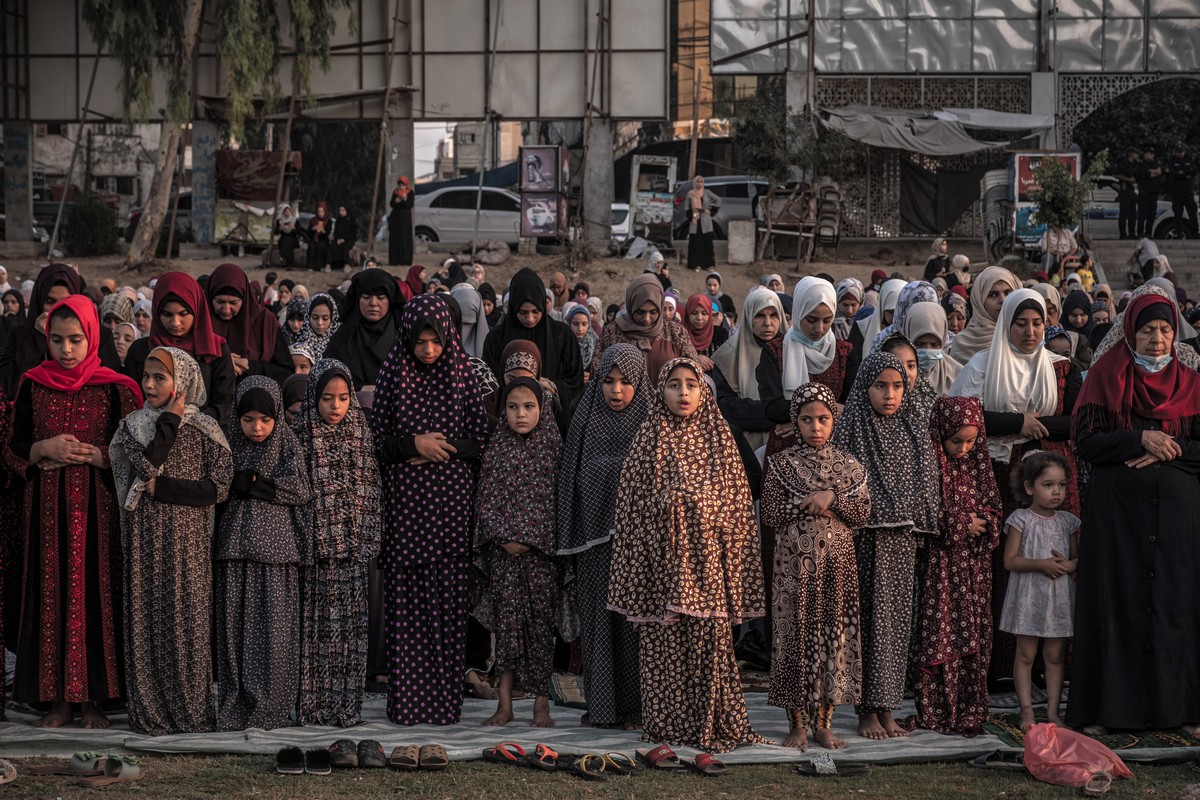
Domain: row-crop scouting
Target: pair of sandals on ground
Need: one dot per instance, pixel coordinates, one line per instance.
(93, 769)
(345, 754)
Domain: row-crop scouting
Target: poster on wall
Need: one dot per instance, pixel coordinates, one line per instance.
(541, 168)
(652, 197)
(542, 214)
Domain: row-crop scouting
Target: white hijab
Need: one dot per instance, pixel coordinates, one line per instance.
(1010, 381)
(930, 318)
(738, 357)
(889, 295)
(802, 357)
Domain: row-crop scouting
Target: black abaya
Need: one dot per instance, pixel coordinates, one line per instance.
(400, 230)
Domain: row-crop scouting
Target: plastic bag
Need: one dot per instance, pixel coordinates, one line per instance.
(1066, 758)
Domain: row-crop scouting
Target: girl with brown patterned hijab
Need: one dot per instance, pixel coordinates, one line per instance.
(690, 565)
(815, 496)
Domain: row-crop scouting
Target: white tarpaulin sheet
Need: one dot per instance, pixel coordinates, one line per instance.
(931, 133)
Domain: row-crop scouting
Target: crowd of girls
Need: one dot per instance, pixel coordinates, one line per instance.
(906, 487)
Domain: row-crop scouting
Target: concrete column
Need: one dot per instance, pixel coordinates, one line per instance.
(205, 141)
(18, 184)
(399, 146)
(596, 190)
(1043, 90)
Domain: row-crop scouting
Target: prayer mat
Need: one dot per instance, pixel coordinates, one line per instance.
(1007, 728)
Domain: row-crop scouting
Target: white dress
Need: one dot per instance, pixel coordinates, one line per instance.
(1035, 605)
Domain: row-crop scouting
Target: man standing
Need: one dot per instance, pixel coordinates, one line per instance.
(1126, 174)
(1181, 173)
(1149, 187)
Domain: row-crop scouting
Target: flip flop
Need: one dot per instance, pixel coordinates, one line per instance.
(1097, 785)
(84, 764)
(706, 764)
(316, 762)
(505, 753)
(434, 758)
(343, 754)
(8, 773)
(543, 758)
(823, 766)
(117, 769)
(290, 761)
(996, 760)
(405, 757)
(370, 754)
(613, 763)
(590, 767)
(661, 757)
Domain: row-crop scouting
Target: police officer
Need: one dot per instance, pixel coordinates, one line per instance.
(1180, 172)
(1126, 174)
(1149, 186)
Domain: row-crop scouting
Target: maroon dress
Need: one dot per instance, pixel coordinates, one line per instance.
(68, 644)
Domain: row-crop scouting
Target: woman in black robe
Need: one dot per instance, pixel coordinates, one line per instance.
(400, 229)
(319, 229)
(562, 366)
(368, 328)
(345, 234)
(1136, 659)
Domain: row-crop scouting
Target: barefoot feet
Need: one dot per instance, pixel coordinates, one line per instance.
(59, 715)
(890, 725)
(92, 717)
(797, 738)
(869, 727)
(541, 713)
(503, 716)
(826, 738)
(1094, 730)
(1026, 718)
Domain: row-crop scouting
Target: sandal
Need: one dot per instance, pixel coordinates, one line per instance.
(8, 773)
(1097, 785)
(823, 766)
(117, 769)
(434, 758)
(405, 757)
(613, 763)
(706, 764)
(343, 754)
(317, 762)
(290, 761)
(505, 753)
(542, 758)
(371, 755)
(82, 765)
(590, 767)
(996, 760)
(661, 757)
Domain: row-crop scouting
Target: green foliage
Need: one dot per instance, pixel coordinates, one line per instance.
(249, 44)
(763, 138)
(1159, 114)
(1061, 199)
(93, 228)
(339, 167)
(142, 35)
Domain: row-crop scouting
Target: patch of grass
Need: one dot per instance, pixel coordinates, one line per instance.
(189, 777)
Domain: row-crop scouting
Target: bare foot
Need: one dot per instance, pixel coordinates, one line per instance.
(889, 725)
(60, 714)
(632, 726)
(826, 738)
(1026, 719)
(1095, 730)
(541, 713)
(1191, 729)
(1054, 718)
(93, 718)
(798, 738)
(869, 727)
(503, 716)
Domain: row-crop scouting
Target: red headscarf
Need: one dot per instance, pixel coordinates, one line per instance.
(702, 340)
(200, 342)
(968, 483)
(89, 371)
(252, 331)
(1116, 385)
(413, 279)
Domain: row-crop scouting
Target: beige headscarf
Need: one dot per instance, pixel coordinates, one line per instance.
(738, 357)
(978, 333)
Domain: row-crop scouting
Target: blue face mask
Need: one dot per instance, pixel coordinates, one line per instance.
(807, 342)
(928, 357)
(1152, 363)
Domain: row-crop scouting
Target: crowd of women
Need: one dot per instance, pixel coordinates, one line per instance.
(920, 487)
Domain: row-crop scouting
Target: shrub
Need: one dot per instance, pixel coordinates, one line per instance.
(93, 228)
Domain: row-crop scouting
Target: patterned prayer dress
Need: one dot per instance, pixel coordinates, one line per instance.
(345, 520)
(262, 538)
(593, 455)
(954, 619)
(816, 658)
(68, 642)
(427, 514)
(689, 569)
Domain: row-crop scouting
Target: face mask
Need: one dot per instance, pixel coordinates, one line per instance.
(811, 343)
(1152, 363)
(928, 357)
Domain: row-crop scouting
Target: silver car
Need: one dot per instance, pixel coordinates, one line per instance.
(448, 215)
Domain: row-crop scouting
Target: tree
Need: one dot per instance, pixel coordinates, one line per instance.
(160, 37)
(1159, 114)
(1060, 198)
(765, 136)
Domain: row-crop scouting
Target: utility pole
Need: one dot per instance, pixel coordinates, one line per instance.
(697, 76)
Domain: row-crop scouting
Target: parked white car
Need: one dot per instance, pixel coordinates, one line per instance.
(448, 215)
(1102, 218)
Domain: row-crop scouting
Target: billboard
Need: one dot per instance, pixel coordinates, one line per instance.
(1023, 167)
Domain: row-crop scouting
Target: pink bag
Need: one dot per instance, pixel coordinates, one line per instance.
(1066, 758)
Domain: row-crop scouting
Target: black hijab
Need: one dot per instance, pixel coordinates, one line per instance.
(1077, 299)
(488, 292)
(360, 344)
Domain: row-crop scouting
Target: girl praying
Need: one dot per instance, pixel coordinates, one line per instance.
(172, 467)
(878, 428)
(66, 411)
(690, 566)
(1040, 542)
(815, 496)
(262, 538)
(955, 613)
(514, 543)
